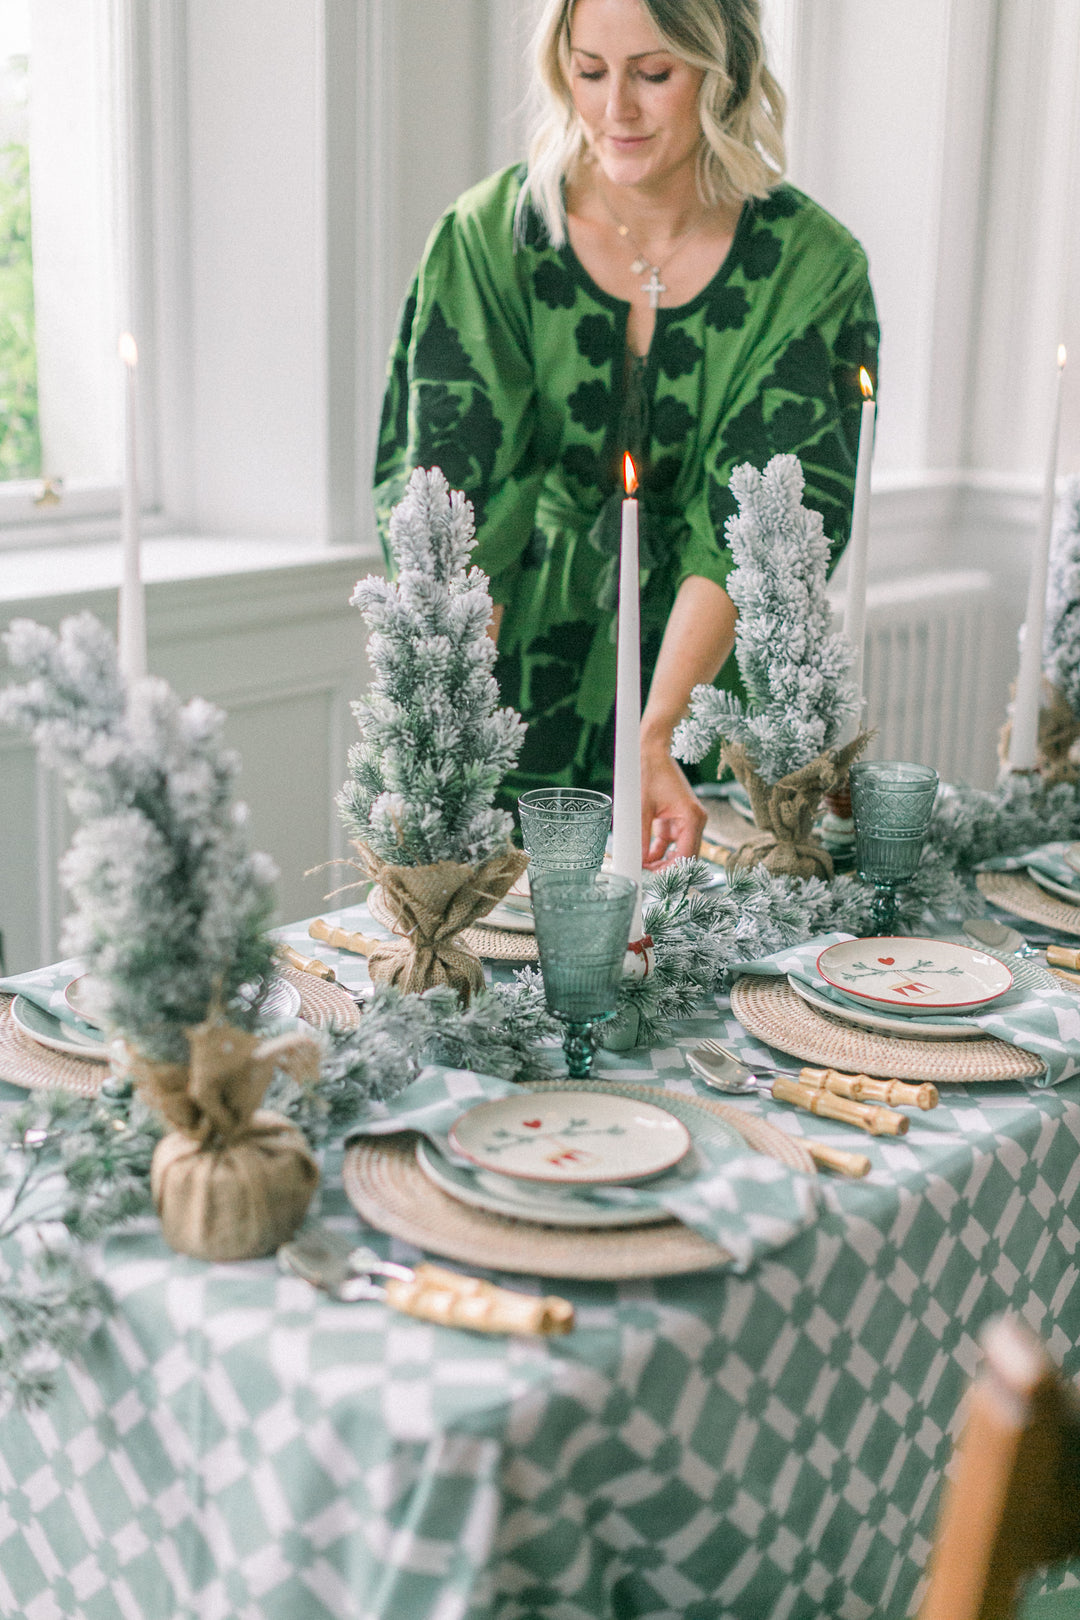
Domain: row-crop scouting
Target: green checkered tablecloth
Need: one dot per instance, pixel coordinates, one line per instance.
(716, 1447)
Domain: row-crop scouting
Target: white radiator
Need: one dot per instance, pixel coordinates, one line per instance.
(930, 673)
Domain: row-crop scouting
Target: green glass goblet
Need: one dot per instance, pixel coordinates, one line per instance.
(582, 932)
(564, 829)
(891, 802)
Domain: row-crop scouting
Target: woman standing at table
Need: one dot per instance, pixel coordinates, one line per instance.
(647, 283)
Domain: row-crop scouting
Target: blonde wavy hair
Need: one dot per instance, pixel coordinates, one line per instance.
(740, 103)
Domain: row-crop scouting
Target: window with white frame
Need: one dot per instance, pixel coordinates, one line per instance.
(60, 259)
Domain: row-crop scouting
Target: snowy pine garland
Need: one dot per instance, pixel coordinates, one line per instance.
(434, 745)
(170, 905)
(1061, 640)
(792, 664)
(74, 1168)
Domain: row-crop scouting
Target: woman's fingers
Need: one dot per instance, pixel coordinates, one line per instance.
(672, 818)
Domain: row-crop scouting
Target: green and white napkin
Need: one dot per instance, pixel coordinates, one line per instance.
(1038, 1013)
(748, 1203)
(1049, 859)
(45, 988)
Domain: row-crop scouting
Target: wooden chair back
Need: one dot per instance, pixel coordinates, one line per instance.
(1013, 1501)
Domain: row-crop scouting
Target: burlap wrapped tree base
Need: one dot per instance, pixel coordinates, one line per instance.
(784, 812)
(430, 905)
(231, 1181)
(1059, 735)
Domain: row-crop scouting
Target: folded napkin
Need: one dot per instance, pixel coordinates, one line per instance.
(1049, 859)
(1038, 1013)
(744, 1201)
(45, 988)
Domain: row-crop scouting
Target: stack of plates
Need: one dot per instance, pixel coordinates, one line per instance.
(1068, 890)
(85, 1038)
(536, 1157)
(897, 986)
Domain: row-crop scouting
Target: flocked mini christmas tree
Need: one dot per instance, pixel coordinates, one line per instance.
(781, 742)
(434, 744)
(171, 908)
(1059, 718)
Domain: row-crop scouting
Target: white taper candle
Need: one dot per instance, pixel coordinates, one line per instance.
(859, 545)
(1024, 732)
(626, 807)
(131, 626)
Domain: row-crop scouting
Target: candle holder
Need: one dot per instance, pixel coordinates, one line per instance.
(892, 803)
(564, 829)
(582, 932)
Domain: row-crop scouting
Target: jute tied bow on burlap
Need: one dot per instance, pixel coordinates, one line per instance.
(230, 1181)
(430, 905)
(1058, 734)
(785, 811)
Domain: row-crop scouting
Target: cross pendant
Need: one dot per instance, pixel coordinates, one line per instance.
(654, 287)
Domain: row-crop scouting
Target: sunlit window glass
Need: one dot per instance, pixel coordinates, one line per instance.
(20, 438)
(59, 247)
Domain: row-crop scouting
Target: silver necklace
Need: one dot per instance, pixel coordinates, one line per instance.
(642, 262)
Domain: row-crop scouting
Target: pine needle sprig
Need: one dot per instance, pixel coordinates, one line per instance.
(499, 1033)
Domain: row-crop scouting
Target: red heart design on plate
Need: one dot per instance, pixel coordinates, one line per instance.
(532, 1124)
(886, 961)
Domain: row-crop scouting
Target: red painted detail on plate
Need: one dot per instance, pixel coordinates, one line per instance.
(913, 987)
(886, 961)
(532, 1124)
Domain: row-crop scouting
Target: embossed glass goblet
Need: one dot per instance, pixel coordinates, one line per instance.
(582, 932)
(891, 802)
(564, 829)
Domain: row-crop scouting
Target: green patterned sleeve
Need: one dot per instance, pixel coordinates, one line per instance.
(805, 401)
(461, 391)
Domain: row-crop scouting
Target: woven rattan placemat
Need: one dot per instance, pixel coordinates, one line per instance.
(387, 1188)
(492, 944)
(771, 1010)
(1016, 892)
(322, 1005)
(24, 1063)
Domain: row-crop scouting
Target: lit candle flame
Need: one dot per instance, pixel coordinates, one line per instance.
(1061, 357)
(866, 383)
(128, 350)
(629, 472)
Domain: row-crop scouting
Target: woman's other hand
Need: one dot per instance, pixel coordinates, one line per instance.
(699, 635)
(670, 812)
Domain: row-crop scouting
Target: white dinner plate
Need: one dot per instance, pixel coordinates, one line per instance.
(282, 999)
(75, 994)
(570, 1138)
(526, 1200)
(912, 974)
(508, 918)
(1061, 891)
(912, 1029)
(48, 1030)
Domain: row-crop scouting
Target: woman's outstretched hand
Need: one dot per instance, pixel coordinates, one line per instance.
(699, 634)
(671, 815)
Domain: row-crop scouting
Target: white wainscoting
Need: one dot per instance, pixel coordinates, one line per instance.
(282, 652)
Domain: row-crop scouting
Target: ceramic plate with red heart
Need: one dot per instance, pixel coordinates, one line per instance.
(574, 1138)
(911, 975)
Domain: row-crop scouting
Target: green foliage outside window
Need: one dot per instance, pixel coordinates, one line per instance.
(20, 441)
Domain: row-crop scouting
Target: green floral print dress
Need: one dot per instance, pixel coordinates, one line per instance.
(510, 371)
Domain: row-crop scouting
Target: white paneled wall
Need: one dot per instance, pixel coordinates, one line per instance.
(282, 652)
